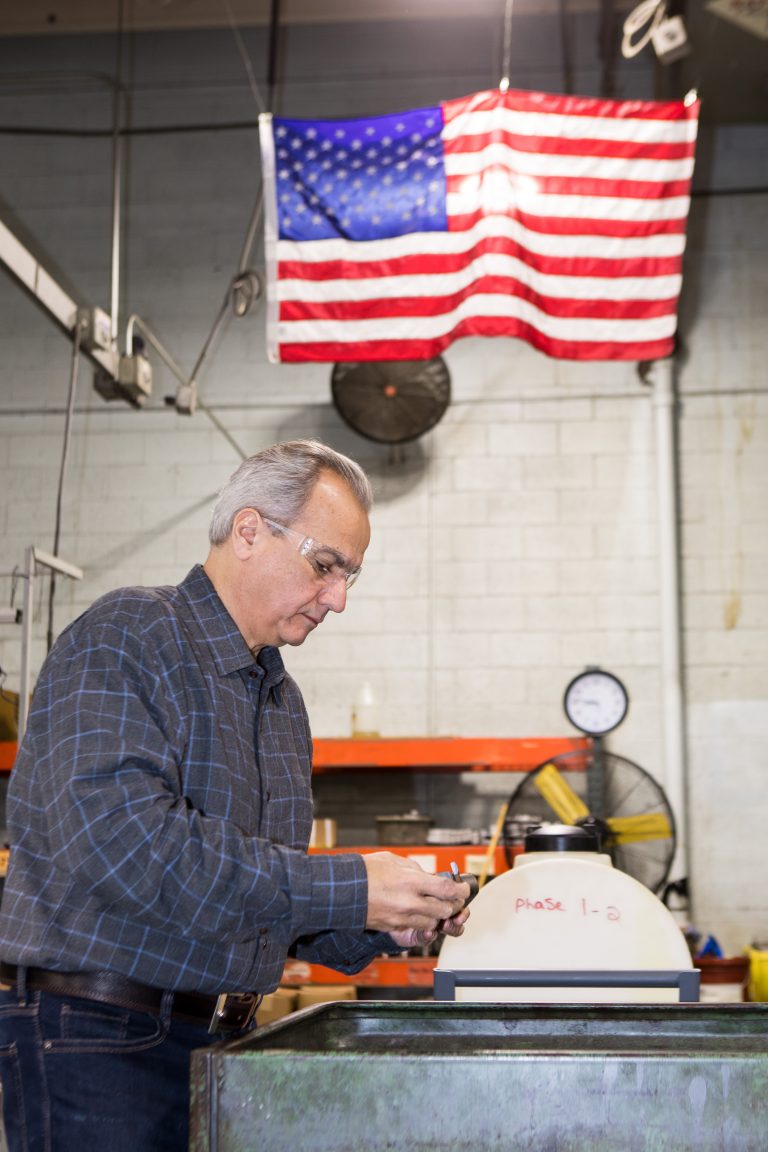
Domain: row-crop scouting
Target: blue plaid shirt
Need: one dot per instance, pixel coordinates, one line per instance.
(160, 808)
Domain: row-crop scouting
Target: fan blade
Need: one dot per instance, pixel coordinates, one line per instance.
(629, 829)
(558, 793)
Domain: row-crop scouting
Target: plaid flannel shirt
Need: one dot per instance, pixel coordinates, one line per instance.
(160, 807)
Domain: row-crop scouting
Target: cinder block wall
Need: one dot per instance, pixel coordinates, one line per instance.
(513, 545)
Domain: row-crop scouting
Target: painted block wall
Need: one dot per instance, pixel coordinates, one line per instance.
(513, 545)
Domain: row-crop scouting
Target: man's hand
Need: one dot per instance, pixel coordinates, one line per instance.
(421, 937)
(411, 904)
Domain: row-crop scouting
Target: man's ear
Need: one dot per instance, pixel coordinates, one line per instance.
(246, 527)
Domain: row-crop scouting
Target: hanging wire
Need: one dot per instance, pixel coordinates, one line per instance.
(73, 374)
(507, 50)
(244, 56)
(565, 49)
(245, 287)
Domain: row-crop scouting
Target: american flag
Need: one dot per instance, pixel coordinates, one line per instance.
(559, 220)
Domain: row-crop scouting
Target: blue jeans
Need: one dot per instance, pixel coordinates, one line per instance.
(79, 1076)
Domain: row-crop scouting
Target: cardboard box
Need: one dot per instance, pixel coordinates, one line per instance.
(321, 993)
(275, 1005)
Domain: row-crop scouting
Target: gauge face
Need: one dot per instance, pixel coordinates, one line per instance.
(595, 702)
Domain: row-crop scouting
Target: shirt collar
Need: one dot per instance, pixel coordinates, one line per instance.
(228, 648)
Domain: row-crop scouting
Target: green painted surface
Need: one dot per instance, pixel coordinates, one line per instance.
(365, 1077)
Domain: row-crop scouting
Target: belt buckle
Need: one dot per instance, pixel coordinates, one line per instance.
(233, 1012)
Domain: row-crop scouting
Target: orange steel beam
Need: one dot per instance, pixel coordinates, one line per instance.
(392, 972)
(462, 754)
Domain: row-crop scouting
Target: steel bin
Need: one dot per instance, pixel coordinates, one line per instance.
(365, 1076)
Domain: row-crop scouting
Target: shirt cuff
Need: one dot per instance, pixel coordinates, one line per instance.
(337, 897)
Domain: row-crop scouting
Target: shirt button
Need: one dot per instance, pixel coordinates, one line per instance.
(263, 931)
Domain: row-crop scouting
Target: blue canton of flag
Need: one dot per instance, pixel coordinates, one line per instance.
(360, 179)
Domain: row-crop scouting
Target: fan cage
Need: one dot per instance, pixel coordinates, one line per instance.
(624, 789)
(391, 402)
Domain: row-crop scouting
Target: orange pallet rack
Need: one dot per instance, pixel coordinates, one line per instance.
(442, 753)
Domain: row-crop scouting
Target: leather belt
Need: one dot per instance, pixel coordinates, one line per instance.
(229, 1012)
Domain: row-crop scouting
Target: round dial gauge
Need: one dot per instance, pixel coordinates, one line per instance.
(595, 701)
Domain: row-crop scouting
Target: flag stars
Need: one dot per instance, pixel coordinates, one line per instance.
(333, 177)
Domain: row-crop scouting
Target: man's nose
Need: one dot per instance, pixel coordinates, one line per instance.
(334, 594)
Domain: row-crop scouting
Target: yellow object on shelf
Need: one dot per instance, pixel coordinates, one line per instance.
(758, 974)
(491, 853)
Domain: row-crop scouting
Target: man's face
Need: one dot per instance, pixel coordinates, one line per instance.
(283, 597)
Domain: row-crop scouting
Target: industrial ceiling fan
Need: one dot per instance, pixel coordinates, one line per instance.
(391, 401)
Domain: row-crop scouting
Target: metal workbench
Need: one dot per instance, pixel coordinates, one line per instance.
(443, 1077)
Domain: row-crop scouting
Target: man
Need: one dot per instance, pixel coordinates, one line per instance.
(160, 809)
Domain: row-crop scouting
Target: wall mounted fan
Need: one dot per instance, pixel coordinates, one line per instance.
(632, 814)
(391, 401)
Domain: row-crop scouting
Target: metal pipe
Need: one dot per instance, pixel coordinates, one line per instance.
(135, 321)
(73, 374)
(25, 676)
(35, 557)
(675, 777)
(507, 49)
(117, 164)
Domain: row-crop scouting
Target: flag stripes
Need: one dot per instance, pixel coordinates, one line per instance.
(556, 220)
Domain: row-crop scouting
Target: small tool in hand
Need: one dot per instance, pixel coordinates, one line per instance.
(462, 878)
